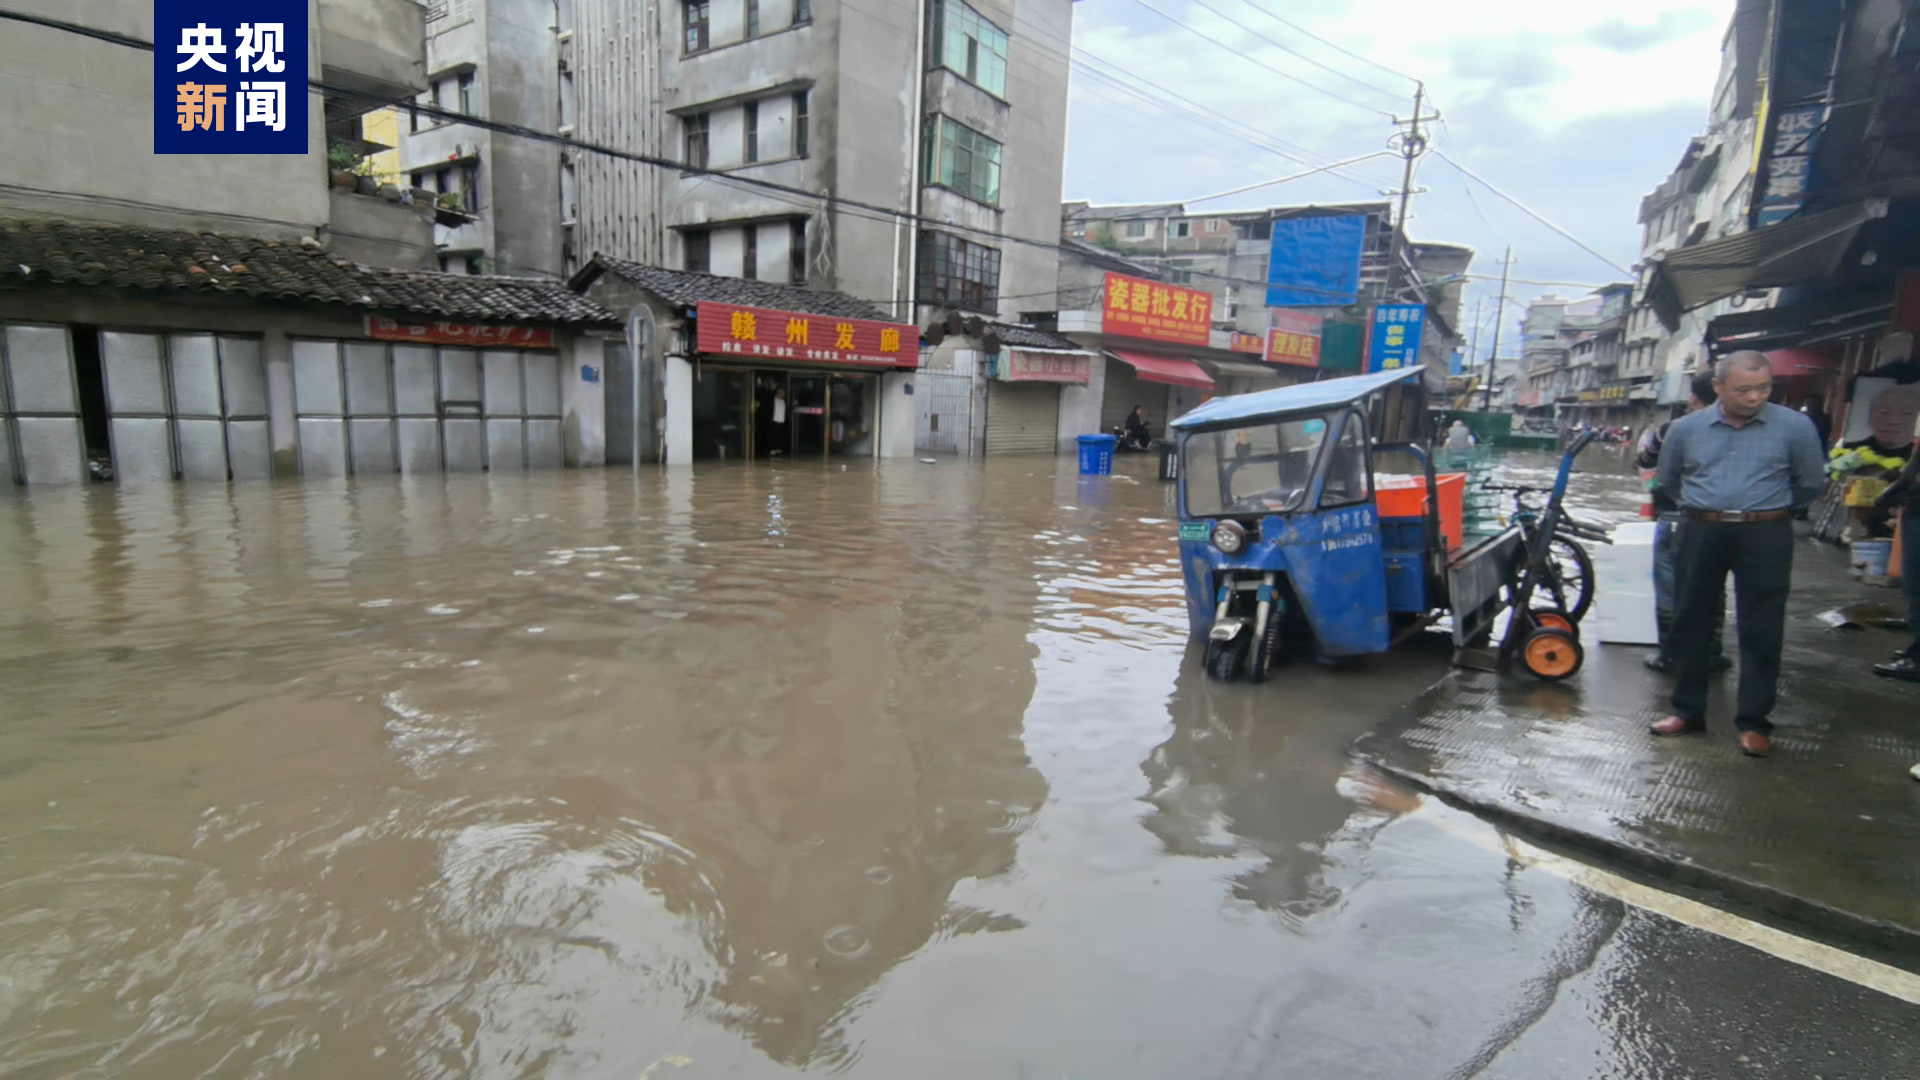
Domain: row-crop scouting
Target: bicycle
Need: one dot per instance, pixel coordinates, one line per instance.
(1567, 580)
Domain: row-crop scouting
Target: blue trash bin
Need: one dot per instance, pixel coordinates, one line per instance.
(1096, 454)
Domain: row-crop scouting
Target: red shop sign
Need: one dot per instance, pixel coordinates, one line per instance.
(1131, 307)
(729, 330)
(481, 335)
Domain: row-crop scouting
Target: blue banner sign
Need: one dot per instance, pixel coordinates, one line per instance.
(1396, 336)
(1315, 261)
(229, 77)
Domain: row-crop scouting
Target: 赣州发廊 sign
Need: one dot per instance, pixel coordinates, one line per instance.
(730, 330)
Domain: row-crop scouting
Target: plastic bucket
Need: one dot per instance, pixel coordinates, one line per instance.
(1096, 454)
(1870, 558)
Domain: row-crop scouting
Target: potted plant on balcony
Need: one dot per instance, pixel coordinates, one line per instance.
(342, 159)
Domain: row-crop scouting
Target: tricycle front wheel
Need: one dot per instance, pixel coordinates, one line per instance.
(1226, 658)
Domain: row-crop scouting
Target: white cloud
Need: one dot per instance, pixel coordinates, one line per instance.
(1575, 111)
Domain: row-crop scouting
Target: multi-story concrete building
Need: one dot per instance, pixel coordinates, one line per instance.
(1704, 198)
(215, 317)
(497, 60)
(905, 156)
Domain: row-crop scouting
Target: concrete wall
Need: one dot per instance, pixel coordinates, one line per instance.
(522, 76)
(76, 125)
(374, 45)
(1080, 407)
(896, 414)
(368, 229)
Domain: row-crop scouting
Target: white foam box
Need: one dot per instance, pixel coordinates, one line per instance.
(1624, 611)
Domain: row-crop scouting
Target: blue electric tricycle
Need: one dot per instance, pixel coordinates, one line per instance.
(1284, 551)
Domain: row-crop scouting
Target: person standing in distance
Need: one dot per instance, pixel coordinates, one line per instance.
(1738, 471)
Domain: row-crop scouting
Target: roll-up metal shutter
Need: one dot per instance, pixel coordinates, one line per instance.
(1022, 418)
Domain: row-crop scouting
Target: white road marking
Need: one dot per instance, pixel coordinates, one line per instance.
(1792, 948)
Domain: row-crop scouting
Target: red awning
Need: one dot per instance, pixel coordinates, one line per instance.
(1165, 369)
(1788, 362)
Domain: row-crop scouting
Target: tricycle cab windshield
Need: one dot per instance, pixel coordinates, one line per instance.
(1268, 466)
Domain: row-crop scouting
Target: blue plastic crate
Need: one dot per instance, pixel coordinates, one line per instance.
(1096, 454)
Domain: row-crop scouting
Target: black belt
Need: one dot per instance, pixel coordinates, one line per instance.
(1737, 517)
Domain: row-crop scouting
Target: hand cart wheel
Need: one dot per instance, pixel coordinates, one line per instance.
(1554, 619)
(1551, 653)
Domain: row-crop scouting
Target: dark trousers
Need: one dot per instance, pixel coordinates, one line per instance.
(1910, 572)
(1759, 555)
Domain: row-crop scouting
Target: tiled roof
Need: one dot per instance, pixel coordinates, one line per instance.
(50, 252)
(1129, 210)
(1026, 337)
(684, 287)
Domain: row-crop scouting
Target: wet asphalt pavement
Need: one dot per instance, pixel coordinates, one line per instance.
(900, 771)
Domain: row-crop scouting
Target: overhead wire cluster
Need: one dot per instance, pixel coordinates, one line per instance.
(1106, 74)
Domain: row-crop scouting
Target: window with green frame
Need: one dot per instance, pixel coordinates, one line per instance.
(972, 47)
(958, 157)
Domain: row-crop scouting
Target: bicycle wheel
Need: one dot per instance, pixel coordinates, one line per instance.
(1571, 570)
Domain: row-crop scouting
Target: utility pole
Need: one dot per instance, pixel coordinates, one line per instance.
(1413, 143)
(1473, 348)
(1499, 316)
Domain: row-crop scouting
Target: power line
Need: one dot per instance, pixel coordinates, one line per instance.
(1304, 155)
(1240, 138)
(1260, 63)
(1202, 4)
(1344, 52)
(1522, 207)
(875, 212)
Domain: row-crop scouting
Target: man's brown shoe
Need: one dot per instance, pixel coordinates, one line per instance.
(1678, 725)
(1754, 744)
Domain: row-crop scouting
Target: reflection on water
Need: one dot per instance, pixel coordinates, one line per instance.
(731, 770)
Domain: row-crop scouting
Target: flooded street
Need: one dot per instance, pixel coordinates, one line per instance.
(731, 771)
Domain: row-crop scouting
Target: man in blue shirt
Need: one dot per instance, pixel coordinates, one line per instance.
(1738, 470)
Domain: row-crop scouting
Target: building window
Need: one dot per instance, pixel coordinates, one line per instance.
(465, 83)
(696, 126)
(695, 13)
(797, 252)
(802, 11)
(750, 253)
(1180, 272)
(1215, 225)
(753, 18)
(961, 158)
(972, 47)
(958, 273)
(1136, 230)
(800, 124)
(1183, 228)
(697, 244)
(752, 125)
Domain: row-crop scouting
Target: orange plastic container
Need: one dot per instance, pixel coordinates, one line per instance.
(1406, 496)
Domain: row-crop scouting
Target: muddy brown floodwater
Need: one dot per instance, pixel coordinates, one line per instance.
(898, 770)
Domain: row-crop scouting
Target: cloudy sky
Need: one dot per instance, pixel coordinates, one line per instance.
(1574, 110)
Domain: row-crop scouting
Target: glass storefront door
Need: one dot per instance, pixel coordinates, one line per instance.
(772, 413)
(720, 414)
(808, 396)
